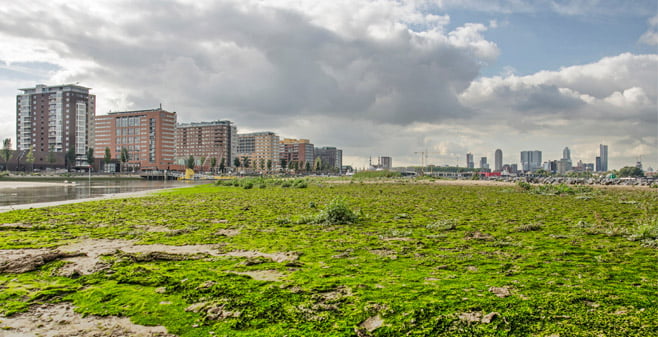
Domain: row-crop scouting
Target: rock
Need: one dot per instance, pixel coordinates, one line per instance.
(372, 323)
(489, 317)
(501, 292)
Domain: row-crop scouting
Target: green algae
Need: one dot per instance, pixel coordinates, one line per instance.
(420, 256)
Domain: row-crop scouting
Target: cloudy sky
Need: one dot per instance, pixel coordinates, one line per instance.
(375, 78)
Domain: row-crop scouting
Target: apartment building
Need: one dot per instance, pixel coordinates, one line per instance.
(148, 136)
(297, 152)
(329, 158)
(260, 148)
(205, 141)
(57, 118)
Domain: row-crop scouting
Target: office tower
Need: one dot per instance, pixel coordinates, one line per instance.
(498, 160)
(566, 153)
(603, 153)
(297, 152)
(483, 163)
(205, 141)
(57, 118)
(469, 161)
(260, 148)
(329, 158)
(598, 164)
(531, 160)
(148, 136)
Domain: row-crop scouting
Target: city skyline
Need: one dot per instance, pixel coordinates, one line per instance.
(369, 77)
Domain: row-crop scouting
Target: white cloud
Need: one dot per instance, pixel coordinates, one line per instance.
(650, 37)
(375, 77)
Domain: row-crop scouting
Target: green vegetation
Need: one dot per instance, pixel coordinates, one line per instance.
(420, 259)
(377, 174)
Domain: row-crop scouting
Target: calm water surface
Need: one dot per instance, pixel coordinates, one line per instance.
(80, 190)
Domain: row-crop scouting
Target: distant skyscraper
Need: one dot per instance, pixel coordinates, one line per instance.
(603, 153)
(530, 160)
(598, 164)
(498, 160)
(566, 153)
(483, 163)
(469, 161)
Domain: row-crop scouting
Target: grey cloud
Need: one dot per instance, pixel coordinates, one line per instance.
(297, 68)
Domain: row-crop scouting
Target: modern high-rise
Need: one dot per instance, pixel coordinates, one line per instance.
(329, 158)
(483, 163)
(261, 149)
(603, 153)
(205, 141)
(566, 153)
(297, 152)
(498, 160)
(148, 137)
(469, 161)
(57, 118)
(531, 160)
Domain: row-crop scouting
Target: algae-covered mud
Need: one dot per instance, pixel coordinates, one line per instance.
(315, 258)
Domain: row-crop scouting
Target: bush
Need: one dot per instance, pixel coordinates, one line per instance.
(524, 185)
(337, 213)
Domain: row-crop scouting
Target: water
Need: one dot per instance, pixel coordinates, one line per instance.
(15, 193)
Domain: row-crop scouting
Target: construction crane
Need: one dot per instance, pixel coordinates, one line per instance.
(423, 157)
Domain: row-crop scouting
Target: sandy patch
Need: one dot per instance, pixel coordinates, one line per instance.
(228, 232)
(27, 184)
(59, 320)
(262, 275)
(84, 257)
(276, 257)
(94, 249)
(24, 260)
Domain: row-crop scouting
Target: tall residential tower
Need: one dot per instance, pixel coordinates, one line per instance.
(58, 118)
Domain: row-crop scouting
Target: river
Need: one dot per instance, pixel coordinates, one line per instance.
(34, 192)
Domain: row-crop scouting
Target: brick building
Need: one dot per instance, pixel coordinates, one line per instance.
(58, 118)
(147, 135)
(207, 140)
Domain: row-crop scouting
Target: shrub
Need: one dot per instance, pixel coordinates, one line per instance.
(337, 213)
(524, 185)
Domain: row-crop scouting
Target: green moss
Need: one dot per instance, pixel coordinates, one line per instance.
(419, 256)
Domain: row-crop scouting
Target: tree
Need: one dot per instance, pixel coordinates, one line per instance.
(213, 163)
(236, 162)
(189, 163)
(284, 163)
(245, 162)
(308, 167)
(70, 157)
(125, 156)
(108, 156)
(269, 165)
(51, 154)
(90, 157)
(631, 171)
(6, 152)
(318, 164)
(262, 164)
(203, 161)
(29, 157)
(222, 165)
